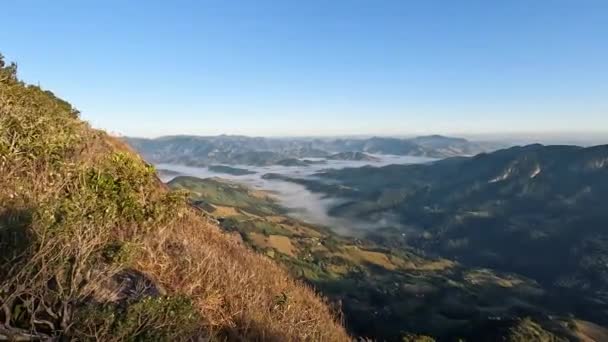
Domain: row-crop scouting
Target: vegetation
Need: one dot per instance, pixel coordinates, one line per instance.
(225, 193)
(515, 210)
(385, 293)
(93, 247)
(545, 198)
(528, 330)
(358, 156)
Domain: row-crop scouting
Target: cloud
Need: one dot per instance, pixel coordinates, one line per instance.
(301, 203)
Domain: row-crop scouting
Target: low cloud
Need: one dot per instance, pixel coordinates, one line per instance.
(301, 203)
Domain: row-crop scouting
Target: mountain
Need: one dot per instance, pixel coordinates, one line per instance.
(225, 149)
(449, 146)
(294, 162)
(94, 247)
(388, 294)
(358, 156)
(533, 210)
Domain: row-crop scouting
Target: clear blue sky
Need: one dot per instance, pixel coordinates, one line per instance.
(318, 67)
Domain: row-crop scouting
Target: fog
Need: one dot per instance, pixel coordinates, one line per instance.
(301, 203)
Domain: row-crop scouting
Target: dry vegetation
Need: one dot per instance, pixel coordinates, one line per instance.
(93, 247)
(590, 332)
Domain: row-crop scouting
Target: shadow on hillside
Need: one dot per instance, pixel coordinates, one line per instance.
(16, 237)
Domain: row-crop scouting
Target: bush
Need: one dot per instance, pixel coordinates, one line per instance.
(171, 318)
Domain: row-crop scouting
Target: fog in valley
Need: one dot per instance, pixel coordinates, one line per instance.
(301, 203)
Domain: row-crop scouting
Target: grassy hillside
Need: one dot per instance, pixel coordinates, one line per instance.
(93, 246)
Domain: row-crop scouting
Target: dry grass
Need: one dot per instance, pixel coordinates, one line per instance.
(393, 262)
(487, 277)
(78, 211)
(280, 243)
(261, 194)
(433, 265)
(240, 293)
(298, 229)
(590, 332)
(225, 211)
(359, 256)
(292, 225)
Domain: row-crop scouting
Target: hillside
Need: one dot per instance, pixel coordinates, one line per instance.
(230, 170)
(516, 210)
(358, 156)
(292, 162)
(227, 149)
(94, 247)
(385, 293)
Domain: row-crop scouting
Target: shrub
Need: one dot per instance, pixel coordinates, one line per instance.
(171, 318)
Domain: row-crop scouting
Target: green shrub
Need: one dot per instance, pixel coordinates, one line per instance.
(35, 126)
(159, 319)
(417, 338)
(119, 252)
(171, 318)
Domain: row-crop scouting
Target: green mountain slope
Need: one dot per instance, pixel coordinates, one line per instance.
(385, 293)
(230, 170)
(534, 210)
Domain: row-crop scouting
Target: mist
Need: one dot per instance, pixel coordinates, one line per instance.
(300, 203)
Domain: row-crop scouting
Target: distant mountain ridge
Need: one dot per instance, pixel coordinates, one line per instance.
(233, 149)
(358, 156)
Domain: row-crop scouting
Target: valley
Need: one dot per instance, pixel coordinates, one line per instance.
(387, 233)
(515, 210)
(447, 248)
(384, 292)
(306, 171)
(302, 203)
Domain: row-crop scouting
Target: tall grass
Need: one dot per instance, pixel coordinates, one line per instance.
(93, 246)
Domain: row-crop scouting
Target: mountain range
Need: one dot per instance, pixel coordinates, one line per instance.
(509, 245)
(229, 149)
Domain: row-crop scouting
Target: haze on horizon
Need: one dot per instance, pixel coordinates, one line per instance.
(318, 68)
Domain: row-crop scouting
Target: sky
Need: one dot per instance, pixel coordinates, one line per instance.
(318, 67)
